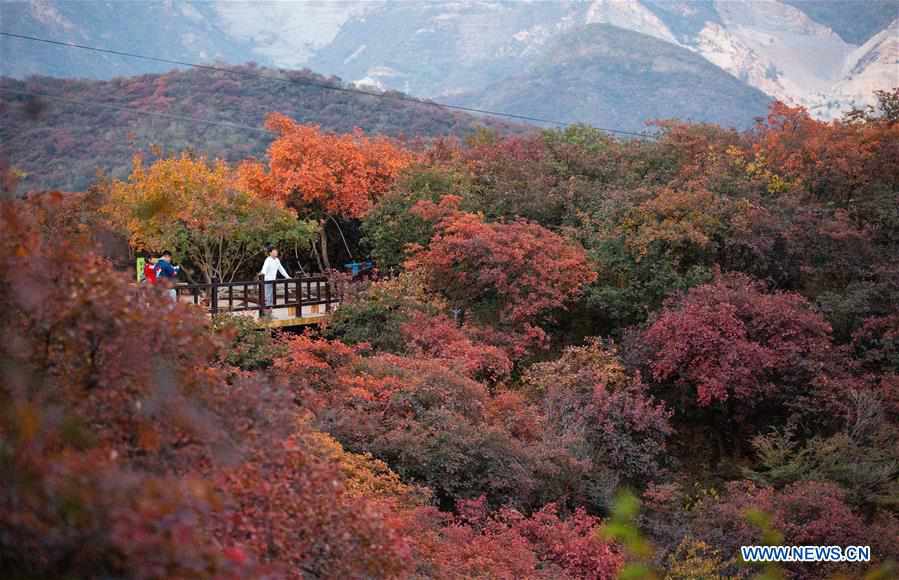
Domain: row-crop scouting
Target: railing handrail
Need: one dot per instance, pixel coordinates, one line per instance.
(316, 278)
(264, 295)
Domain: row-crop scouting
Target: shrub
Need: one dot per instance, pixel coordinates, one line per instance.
(428, 423)
(508, 544)
(440, 338)
(876, 344)
(248, 345)
(806, 513)
(695, 560)
(376, 316)
(862, 460)
(588, 397)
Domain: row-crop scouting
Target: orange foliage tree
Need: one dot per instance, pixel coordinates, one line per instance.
(322, 174)
(836, 161)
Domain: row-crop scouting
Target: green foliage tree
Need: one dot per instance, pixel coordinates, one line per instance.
(390, 229)
(862, 458)
(247, 344)
(376, 315)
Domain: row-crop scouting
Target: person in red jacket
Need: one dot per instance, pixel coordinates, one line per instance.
(150, 270)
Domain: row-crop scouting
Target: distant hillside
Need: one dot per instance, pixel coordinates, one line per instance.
(855, 21)
(802, 52)
(174, 30)
(62, 145)
(611, 77)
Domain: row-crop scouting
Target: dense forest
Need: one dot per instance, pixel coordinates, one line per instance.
(594, 358)
(57, 145)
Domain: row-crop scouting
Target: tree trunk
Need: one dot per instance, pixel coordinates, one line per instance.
(296, 254)
(318, 258)
(324, 239)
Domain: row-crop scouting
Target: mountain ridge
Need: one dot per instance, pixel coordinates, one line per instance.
(798, 51)
(617, 77)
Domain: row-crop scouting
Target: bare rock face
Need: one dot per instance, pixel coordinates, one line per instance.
(873, 66)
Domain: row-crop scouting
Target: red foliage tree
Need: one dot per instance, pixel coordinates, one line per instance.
(292, 508)
(807, 513)
(732, 339)
(440, 338)
(430, 424)
(119, 355)
(98, 385)
(508, 544)
(128, 454)
(511, 274)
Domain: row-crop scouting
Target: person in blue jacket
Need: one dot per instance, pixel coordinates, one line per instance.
(168, 273)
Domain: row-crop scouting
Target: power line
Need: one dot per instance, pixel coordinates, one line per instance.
(305, 82)
(138, 111)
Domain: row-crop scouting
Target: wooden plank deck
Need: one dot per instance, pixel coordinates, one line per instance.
(296, 321)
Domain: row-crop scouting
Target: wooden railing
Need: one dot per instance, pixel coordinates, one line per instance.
(290, 293)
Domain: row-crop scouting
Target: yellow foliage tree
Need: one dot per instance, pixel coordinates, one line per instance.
(198, 210)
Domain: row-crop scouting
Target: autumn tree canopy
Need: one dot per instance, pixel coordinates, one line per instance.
(708, 318)
(200, 211)
(732, 339)
(323, 175)
(515, 274)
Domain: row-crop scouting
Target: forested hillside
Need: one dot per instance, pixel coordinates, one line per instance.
(595, 359)
(63, 145)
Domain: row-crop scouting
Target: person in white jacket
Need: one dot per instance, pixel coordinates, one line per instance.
(269, 272)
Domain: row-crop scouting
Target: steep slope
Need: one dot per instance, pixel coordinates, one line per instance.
(439, 48)
(873, 66)
(620, 79)
(173, 30)
(287, 33)
(628, 15)
(776, 48)
(855, 21)
(62, 145)
(684, 18)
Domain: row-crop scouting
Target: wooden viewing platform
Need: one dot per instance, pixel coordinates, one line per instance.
(295, 301)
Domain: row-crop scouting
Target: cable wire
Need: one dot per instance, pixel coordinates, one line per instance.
(325, 86)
